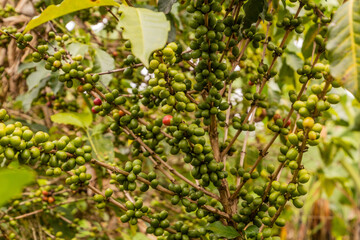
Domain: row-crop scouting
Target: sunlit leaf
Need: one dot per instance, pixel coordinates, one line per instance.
(66, 7)
(28, 65)
(35, 77)
(339, 227)
(308, 44)
(344, 46)
(147, 31)
(12, 182)
(77, 48)
(102, 145)
(103, 62)
(352, 172)
(82, 120)
(27, 98)
(221, 230)
(329, 186)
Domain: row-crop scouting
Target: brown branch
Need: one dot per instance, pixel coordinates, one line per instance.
(119, 70)
(122, 207)
(166, 165)
(49, 207)
(117, 170)
(263, 152)
(129, 3)
(109, 10)
(261, 87)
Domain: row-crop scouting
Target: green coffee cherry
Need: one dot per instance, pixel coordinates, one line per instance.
(108, 192)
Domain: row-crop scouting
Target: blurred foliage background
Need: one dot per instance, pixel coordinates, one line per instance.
(332, 207)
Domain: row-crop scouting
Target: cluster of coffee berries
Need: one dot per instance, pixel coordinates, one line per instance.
(7, 11)
(158, 223)
(180, 116)
(136, 210)
(184, 232)
(128, 182)
(101, 199)
(4, 38)
(278, 125)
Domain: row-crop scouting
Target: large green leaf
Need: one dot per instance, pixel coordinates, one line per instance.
(27, 65)
(67, 6)
(352, 172)
(103, 62)
(356, 126)
(102, 145)
(12, 182)
(147, 31)
(77, 48)
(27, 98)
(253, 10)
(293, 61)
(82, 120)
(344, 46)
(220, 230)
(328, 185)
(35, 78)
(309, 40)
(339, 227)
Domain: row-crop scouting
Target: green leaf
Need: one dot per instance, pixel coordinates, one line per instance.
(344, 46)
(42, 182)
(344, 144)
(253, 9)
(223, 231)
(286, 74)
(35, 77)
(251, 231)
(83, 223)
(147, 31)
(103, 62)
(102, 145)
(55, 85)
(35, 82)
(284, 3)
(28, 65)
(356, 126)
(66, 7)
(339, 227)
(12, 182)
(77, 48)
(140, 236)
(82, 120)
(352, 172)
(275, 4)
(166, 5)
(329, 186)
(309, 40)
(252, 153)
(27, 98)
(294, 61)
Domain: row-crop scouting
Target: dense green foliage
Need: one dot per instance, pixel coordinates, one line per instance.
(180, 120)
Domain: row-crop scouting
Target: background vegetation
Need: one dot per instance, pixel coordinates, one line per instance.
(243, 78)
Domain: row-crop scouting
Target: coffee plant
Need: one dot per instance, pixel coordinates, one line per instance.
(167, 119)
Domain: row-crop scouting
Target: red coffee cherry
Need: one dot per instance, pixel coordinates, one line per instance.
(97, 101)
(167, 119)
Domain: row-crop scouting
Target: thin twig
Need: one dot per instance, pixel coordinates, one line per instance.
(119, 70)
